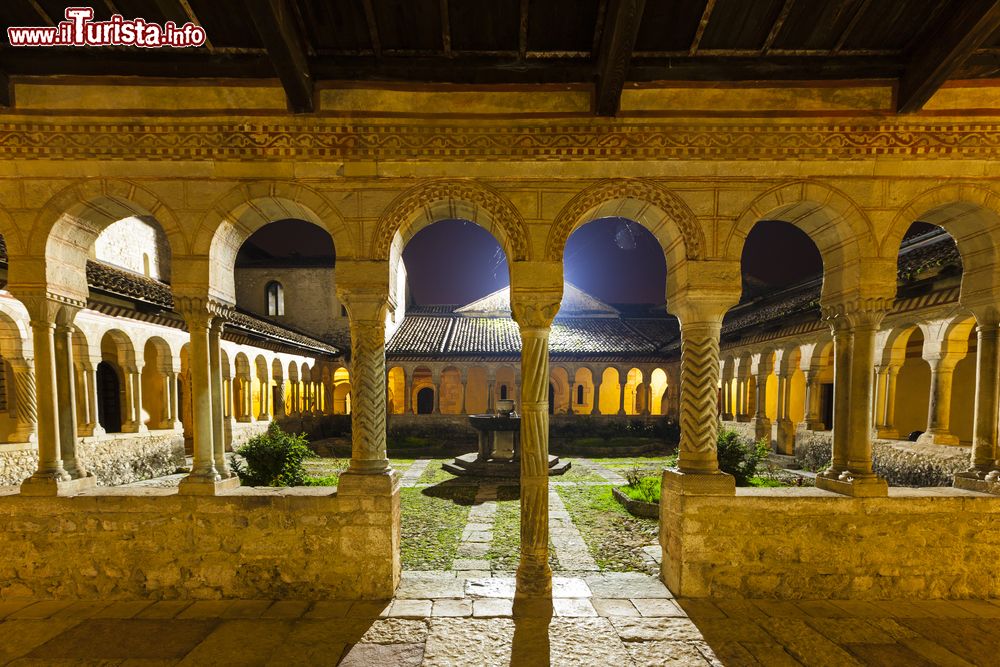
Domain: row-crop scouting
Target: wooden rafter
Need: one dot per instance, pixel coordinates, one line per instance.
(372, 27)
(965, 30)
(778, 24)
(621, 27)
(275, 23)
(706, 16)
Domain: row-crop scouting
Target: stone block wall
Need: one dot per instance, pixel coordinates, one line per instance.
(303, 543)
(114, 459)
(805, 543)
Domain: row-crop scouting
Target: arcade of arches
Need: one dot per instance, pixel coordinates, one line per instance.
(100, 362)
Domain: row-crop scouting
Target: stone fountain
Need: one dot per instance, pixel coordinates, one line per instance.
(499, 451)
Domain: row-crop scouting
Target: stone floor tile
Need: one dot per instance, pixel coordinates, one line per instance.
(632, 629)
(944, 609)
(82, 609)
(470, 564)
(240, 641)
(573, 607)
(386, 655)
(479, 574)
(821, 609)
(665, 654)
(779, 608)
(699, 609)
(770, 654)
(981, 608)
(476, 526)
(473, 550)
(410, 609)
(247, 608)
(934, 652)
(731, 630)
(124, 609)
(887, 654)
(369, 609)
(8, 607)
(449, 640)
(893, 628)
(739, 608)
(427, 574)
(458, 608)
(287, 609)
(975, 640)
(206, 609)
(492, 607)
(41, 609)
(329, 632)
(657, 607)
(582, 641)
(478, 536)
(118, 639)
(734, 653)
(805, 644)
(570, 587)
(164, 609)
(395, 631)
(614, 607)
(412, 589)
(329, 609)
(850, 631)
(861, 608)
(18, 637)
(626, 585)
(494, 587)
(900, 609)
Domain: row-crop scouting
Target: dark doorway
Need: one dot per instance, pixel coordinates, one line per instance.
(503, 392)
(826, 405)
(552, 399)
(109, 402)
(579, 394)
(425, 401)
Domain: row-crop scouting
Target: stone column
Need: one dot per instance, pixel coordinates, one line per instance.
(66, 392)
(892, 373)
(884, 401)
(761, 423)
(854, 327)
(279, 398)
(465, 390)
(205, 478)
(727, 399)
(25, 403)
(491, 394)
(367, 307)
(264, 384)
(50, 464)
(939, 408)
(534, 312)
(812, 420)
(743, 398)
(407, 391)
(785, 432)
(215, 387)
(137, 394)
(621, 394)
(984, 436)
(172, 401)
(595, 409)
(438, 381)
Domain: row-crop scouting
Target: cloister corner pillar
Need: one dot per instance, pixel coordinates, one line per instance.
(698, 471)
(854, 326)
(51, 320)
(984, 462)
(534, 311)
(202, 314)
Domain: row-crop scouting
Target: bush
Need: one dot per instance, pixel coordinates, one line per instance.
(740, 457)
(644, 489)
(663, 429)
(273, 458)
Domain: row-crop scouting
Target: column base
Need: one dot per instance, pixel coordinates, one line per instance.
(381, 483)
(698, 484)
(856, 487)
(887, 434)
(761, 428)
(743, 418)
(930, 438)
(53, 486)
(533, 582)
(785, 438)
(197, 485)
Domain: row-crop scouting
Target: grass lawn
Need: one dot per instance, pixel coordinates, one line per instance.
(577, 473)
(326, 471)
(433, 474)
(648, 490)
(649, 462)
(505, 549)
(433, 524)
(615, 537)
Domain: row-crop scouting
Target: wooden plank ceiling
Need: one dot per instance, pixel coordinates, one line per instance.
(605, 43)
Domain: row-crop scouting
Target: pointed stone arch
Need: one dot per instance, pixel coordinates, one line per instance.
(450, 199)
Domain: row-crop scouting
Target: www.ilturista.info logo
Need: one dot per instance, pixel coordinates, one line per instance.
(79, 29)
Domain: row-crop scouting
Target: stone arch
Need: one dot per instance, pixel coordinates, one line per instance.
(447, 199)
(659, 210)
(248, 207)
(840, 229)
(68, 224)
(969, 213)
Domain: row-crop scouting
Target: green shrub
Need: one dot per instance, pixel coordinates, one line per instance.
(645, 489)
(740, 457)
(273, 458)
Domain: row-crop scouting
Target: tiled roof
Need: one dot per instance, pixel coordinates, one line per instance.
(575, 302)
(601, 336)
(420, 334)
(248, 322)
(491, 335)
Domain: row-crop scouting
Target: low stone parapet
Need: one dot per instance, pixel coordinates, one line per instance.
(798, 543)
(151, 543)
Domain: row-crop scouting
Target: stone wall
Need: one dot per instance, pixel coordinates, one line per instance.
(302, 543)
(114, 459)
(806, 543)
(137, 245)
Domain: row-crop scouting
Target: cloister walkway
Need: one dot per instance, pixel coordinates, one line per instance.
(466, 615)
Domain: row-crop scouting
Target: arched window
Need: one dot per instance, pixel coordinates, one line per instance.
(425, 401)
(275, 296)
(579, 394)
(503, 392)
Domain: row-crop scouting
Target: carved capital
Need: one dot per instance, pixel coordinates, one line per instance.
(860, 313)
(534, 309)
(201, 311)
(45, 306)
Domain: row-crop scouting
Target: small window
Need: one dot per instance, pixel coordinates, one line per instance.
(579, 394)
(275, 297)
(145, 265)
(343, 311)
(503, 392)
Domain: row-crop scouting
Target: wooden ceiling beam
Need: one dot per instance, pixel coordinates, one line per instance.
(620, 31)
(275, 23)
(966, 29)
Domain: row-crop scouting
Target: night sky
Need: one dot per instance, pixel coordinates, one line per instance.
(616, 260)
